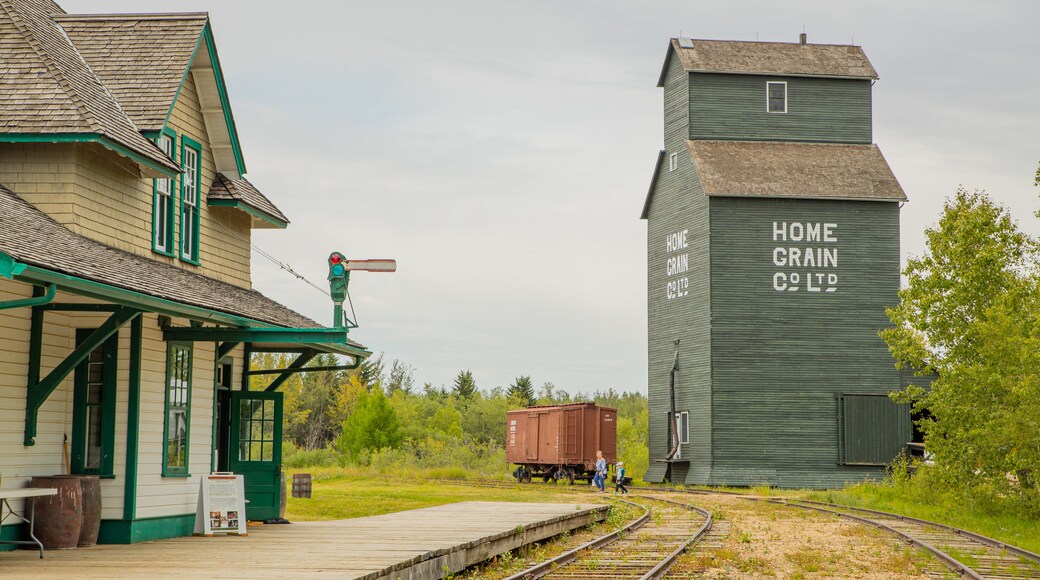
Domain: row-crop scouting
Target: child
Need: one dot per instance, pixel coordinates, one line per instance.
(620, 479)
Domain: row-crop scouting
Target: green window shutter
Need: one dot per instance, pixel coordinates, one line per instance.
(177, 421)
(94, 408)
(190, 194)
(873, 429)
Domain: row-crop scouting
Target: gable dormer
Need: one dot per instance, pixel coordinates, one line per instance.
(769, 91)
(156, 82)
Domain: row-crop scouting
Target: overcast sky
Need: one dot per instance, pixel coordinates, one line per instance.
(501, 152)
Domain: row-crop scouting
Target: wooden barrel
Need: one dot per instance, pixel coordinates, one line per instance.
(301, 485)
(91, 485)
(59, 518)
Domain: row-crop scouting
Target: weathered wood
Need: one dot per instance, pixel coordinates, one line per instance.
(423, 543)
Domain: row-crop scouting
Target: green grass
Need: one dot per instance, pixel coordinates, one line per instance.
(1013, 529)
(339, 493)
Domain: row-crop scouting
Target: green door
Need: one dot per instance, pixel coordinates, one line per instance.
(256, 449)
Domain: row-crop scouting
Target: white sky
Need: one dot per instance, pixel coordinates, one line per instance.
(501, 152)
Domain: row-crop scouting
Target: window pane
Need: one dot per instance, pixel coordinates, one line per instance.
(177, 412)
(268, 452)
(243, 451)
(93, 451)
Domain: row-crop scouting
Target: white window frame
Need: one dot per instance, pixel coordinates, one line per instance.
(190, 198)
(163, 206)
(673, 162)
(683, 425)
(770, 83)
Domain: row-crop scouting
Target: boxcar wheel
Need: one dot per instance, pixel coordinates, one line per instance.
(570, 475)
(527, 476)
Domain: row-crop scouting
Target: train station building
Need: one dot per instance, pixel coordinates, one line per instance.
(127, 313)
(772, 253)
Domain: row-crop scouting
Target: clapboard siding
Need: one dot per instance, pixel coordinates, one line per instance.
(678, 204)
(225, 233)
(780, 357)
(157, 496)
(729, 106)
(43, 174)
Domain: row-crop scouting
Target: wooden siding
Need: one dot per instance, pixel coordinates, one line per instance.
(156, 495)
(726, 106)
(43, 174)
(225, 232)
(99, 194)
(678, 204)
(779, 358)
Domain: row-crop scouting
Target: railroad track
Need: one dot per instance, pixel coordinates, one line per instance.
(644, 549)
(965, 553)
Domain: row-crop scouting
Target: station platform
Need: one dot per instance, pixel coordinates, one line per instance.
(423, 543)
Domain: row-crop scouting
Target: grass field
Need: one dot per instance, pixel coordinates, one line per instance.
(340, 494)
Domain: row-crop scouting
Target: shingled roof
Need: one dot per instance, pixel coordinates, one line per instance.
(30, 236)
(141, 58)
(47, 88)
(243, 192)
(802, 170)
(771, 58)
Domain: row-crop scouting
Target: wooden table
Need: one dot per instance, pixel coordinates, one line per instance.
(29, 494)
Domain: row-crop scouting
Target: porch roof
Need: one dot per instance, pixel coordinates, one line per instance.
(54, 254)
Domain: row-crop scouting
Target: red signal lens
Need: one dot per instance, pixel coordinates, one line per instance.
(335, 258)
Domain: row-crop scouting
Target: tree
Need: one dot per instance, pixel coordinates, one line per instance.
(373, 425)
(970, 312)
(974, 255)
(371, 371)
(465, 386)
(401, 377)
(522, 390)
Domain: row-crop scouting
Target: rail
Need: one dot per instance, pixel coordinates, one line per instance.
(647, 561)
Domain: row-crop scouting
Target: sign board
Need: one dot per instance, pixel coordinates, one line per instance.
(222, 505)
(372, 265)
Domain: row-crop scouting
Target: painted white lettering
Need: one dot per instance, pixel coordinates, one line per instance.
(780, 257)
(810, 257)
(828, 233)
(795, 279)
(797, 232)
(830, 258)
(812, 232)
(780, 231)
(779, 282)
(794, 256)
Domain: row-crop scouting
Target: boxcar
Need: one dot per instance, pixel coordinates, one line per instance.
(560, 441)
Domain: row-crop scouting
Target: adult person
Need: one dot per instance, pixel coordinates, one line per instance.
(599, 480)
(620, 479)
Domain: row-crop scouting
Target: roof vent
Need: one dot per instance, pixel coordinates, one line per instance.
(802, 39)
(685, 42)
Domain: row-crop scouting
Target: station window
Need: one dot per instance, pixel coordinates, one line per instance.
(673, 162)
(682, 422)
(178, 409)
(162, 203)
(191, 182)
(776, 97)
(94, 408)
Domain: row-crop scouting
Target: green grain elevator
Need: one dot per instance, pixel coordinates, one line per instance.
(772, 252)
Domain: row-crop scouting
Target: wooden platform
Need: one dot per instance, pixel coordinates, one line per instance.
(424, 543)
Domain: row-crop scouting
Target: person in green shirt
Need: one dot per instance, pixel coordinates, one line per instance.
(620, 479)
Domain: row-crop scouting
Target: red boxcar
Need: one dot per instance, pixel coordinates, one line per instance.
(560, 441)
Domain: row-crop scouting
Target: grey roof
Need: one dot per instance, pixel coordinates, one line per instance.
(772, 58)
(243, 191)
(47, 88)
(32, 237)
(786, 169)
(141, 58)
